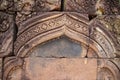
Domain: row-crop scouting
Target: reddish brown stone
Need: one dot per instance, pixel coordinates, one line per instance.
(61, 69)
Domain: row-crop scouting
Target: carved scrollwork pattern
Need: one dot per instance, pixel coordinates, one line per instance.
(4, 22)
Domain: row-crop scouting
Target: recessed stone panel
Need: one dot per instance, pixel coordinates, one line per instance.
(62, 47)
(60, 69)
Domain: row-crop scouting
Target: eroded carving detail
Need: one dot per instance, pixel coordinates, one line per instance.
(112, 23)
(13, 68)
(6, 34)
(28, 8)
(4, 22)
(82, 6)
(108, 70)
(103, 41)
(6, 5)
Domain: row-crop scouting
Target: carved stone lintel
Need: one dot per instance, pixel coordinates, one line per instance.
(6, 34)
(64, 22)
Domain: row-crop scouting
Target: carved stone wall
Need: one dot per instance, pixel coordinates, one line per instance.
(59, 39)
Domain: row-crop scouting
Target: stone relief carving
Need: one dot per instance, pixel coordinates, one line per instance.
(12, 68)
(100, 34)
(4, 22)
(112, 23)
(108, 69)
(67, 22)
(6, 34)
(6, 5)
(103, 41)
(48, 25)
(107, 7)
(82, 6)
(29, 8)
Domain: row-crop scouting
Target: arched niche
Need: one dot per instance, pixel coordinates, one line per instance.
(49, 26)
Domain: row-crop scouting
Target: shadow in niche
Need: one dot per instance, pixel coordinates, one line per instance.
(62, 47)
(91, 16)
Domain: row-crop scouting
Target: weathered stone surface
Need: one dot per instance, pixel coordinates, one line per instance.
(6, 34)
(12, 68)
(108, 7)
(28, 8)
(7, 5)
(108, 69)
(82, 6)
(112, 24)
(93, 7)
(1, 65)
(51, 69)
(62, 47)
(61, 69)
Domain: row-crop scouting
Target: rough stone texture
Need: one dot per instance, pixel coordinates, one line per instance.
(108, 7)
(92, 51)
(7, 5)
(6, 34)
(52, 69)
(93, 7)
(82, 6)
(112, 24)
(1, 65)
(28, 8)
(108, 69)
(61, 69)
